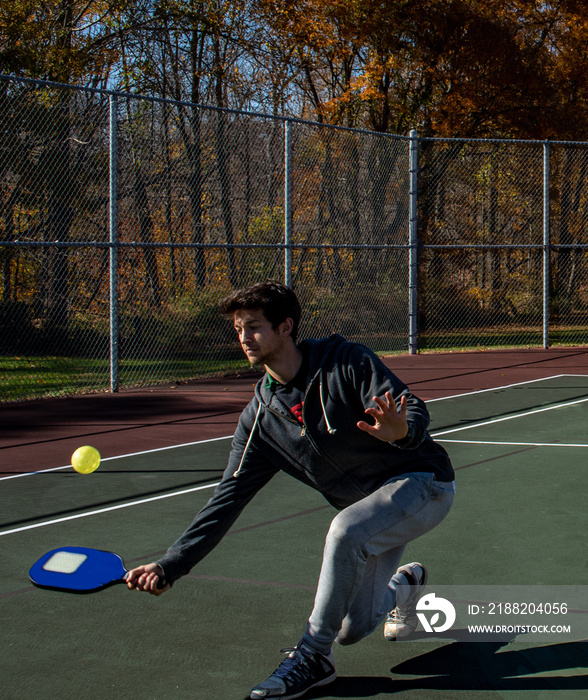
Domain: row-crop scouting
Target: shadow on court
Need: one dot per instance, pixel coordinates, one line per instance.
(471, 667)
(220, 631)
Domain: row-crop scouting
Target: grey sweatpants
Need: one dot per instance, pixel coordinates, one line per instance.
(362, 552)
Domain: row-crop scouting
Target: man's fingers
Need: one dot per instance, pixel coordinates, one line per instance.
(132, 577)
(148, 578)
(389, 420)
(384, 405)
(387, 405)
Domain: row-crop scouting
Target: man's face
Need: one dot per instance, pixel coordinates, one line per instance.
(260, 342)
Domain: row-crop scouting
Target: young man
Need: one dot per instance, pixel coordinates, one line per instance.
(387, 478)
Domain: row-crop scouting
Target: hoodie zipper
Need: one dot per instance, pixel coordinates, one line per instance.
(331, 431)
(303, 433)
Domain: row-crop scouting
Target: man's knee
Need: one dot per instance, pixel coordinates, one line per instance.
(345, 535)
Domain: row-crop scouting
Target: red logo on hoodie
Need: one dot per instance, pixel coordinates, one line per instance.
(297, 412)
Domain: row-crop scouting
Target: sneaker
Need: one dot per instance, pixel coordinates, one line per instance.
(402, 621)
(301, 670)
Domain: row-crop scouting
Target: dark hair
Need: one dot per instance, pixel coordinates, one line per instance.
(277, 302)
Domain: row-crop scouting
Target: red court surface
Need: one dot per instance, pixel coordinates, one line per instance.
(43, 434)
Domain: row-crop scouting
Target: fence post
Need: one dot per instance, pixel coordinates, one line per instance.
(287, 205)
(413, 245)
(113, 224)
(546, 245)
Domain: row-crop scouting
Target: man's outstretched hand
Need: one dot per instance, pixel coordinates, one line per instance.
(389, 423)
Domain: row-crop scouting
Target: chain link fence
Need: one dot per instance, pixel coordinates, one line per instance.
(125, 219)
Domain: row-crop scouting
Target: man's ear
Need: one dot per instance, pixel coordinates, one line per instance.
(286, 327)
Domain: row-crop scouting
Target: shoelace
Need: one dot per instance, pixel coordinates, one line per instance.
(396, 616)
(297, 664)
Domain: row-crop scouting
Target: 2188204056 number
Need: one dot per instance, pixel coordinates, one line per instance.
(527, 608)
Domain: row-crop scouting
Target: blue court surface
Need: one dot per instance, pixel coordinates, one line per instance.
(520, 520)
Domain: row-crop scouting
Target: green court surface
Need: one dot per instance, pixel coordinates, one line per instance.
(520, 518)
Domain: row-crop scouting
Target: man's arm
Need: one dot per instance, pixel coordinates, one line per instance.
(216, 518)
(212, 522)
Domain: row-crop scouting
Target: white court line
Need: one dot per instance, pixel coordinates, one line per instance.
(208, 486)
(123, 505)
(529, 444)
(505, 386)
(228, 437)
(505, 418)
(130, 454)
(106, 510)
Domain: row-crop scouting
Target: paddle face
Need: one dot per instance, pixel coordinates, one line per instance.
(77, 570)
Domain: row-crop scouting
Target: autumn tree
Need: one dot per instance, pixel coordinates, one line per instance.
(63, 41)
(483, 68)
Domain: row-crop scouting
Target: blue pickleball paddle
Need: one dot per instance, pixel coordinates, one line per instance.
(78, 570)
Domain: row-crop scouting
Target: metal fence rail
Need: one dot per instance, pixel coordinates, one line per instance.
(124, 219)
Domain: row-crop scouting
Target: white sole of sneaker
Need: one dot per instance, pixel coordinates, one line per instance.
(325, 681)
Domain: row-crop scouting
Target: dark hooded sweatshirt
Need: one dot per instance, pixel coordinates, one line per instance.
(322, 447)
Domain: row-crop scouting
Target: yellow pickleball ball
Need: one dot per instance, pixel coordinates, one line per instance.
(85, 460)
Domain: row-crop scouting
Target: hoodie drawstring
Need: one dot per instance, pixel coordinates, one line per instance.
(331, 430)
(236, 473)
